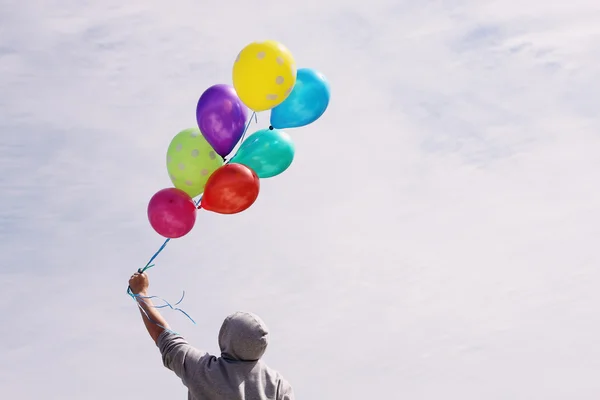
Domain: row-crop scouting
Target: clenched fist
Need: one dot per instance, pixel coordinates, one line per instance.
(139, 284)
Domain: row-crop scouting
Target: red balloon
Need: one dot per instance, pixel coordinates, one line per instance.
(231, 189)
(172, 213)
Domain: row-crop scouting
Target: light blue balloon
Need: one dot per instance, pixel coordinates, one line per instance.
(268, 152)
(307, 102)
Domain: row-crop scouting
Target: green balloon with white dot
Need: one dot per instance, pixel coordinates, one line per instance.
(191, 160)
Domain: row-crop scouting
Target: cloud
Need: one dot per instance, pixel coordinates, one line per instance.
(435, 235)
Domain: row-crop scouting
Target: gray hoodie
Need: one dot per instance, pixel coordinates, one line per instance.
(238, 374)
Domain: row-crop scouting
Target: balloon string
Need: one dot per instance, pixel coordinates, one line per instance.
(167, 304)
(149, 264)
(136, 297)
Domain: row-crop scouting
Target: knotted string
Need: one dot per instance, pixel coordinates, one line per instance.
(149, 264)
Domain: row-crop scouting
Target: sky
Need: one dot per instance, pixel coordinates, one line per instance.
(436, 235)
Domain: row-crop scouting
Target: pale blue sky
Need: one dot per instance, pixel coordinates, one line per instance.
(436, 235)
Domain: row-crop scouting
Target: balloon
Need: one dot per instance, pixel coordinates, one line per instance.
(307, 102)
(231, 189)
(264, 74)
(221, 116)
(190, 161)
(268, 152)
(172, 213)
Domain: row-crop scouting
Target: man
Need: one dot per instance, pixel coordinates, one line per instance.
(238, 374)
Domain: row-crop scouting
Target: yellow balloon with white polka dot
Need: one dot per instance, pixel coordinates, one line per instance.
(264, 74)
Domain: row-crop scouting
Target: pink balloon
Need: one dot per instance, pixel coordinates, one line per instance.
(172, 213)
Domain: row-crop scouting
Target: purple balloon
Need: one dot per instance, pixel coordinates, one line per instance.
(221, 117)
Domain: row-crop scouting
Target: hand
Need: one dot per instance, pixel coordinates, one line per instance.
(139, 284)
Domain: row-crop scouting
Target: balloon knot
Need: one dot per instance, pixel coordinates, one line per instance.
(270, 127)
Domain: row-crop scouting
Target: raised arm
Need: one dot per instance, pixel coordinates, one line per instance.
(139, 285)
(177, 354)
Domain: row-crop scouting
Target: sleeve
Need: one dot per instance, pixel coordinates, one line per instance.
(285, 391)
(179, 356)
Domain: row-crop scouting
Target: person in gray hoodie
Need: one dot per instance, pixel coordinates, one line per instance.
(238, 374)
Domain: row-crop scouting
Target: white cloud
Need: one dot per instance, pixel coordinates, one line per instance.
(435, 235)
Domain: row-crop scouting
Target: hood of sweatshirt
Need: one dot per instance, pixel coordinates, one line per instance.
(243, 337)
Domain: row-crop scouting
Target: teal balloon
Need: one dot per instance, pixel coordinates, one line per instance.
(305, 104)
(268, 152)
